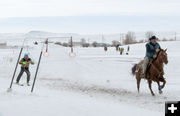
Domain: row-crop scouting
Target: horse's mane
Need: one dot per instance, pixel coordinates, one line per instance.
(157, 55)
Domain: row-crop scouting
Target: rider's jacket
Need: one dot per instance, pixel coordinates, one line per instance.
(151, 49)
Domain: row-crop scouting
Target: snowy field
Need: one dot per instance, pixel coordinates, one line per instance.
(94, 83)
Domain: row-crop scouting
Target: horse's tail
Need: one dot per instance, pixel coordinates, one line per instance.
(134, 69)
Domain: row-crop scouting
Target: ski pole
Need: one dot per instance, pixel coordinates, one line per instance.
(37, 69)
(17, 64)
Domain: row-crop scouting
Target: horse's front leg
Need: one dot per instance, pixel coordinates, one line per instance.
(164, 82)
(159, 87)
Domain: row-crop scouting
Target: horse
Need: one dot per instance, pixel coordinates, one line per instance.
(154, 71)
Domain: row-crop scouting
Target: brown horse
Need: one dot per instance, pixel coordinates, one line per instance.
(155, 71)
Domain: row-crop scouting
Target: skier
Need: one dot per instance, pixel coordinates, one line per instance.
(152, 47)
(25, 62)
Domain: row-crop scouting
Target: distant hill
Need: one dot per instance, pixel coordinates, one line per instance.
(104, 38)
(43, 34)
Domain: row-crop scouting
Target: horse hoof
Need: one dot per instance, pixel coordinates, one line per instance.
(160, 92)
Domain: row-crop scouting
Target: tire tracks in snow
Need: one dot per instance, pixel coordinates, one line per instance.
(142, 100)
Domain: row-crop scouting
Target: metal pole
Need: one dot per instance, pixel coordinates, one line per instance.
(16, 65)
(37, 69)
(71, 45)
(47, 45)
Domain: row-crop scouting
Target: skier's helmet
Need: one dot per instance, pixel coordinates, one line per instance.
(26, 55)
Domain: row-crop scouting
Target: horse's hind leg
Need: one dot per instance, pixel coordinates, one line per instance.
(138, 78)
(150, 82)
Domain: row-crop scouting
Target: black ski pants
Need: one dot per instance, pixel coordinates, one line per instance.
(26, 70)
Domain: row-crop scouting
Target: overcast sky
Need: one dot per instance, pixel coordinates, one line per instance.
(89, 15)
(36, 8)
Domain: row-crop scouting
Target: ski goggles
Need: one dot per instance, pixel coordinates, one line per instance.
(26, 56)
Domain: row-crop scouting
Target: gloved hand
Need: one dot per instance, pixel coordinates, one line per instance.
(157, 50)
(24, 63)
(154, 56)
(32, 63)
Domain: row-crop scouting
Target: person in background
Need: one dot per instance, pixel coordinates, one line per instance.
(128, 48)
(121, 51)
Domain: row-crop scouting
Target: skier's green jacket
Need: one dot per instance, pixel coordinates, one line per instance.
(25, 62)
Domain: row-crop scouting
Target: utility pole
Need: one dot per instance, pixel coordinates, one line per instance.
(121, 38)
(103, 40)
(175, 36)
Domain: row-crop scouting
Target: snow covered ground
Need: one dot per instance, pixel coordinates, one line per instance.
(94, 83)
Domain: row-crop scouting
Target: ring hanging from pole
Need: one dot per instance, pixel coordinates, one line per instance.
(72, 55)
(46, 54)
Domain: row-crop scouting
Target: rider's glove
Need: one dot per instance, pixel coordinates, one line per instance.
(157, 50)
(154, 56)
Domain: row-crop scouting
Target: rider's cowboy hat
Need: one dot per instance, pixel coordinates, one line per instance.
(153, 37)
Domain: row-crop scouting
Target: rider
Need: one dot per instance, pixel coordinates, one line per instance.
(25, 62)
(152, 47)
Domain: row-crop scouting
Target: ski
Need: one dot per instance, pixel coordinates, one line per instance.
(24, 84)
(19, 84)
